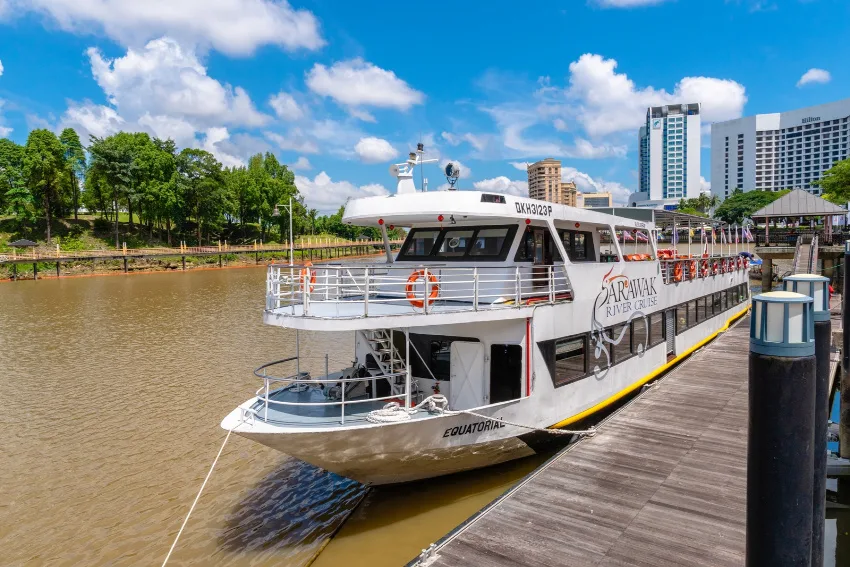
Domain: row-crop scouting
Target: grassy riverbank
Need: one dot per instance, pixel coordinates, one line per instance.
(92, 233)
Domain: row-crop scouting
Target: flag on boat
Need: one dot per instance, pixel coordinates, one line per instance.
(722, 236)
(748, 235)
(627, 236)
(737, 235)
(641, 237)
(713, 236)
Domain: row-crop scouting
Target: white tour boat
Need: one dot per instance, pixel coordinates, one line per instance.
(519, 314)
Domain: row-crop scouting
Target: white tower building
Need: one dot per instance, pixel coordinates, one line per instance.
(669, 156)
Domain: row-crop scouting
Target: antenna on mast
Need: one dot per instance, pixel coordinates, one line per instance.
(420, 150)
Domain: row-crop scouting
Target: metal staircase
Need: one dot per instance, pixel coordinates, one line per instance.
(805, 256)
(386, 356)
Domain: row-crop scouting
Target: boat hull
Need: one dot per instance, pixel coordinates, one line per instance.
(398, 452)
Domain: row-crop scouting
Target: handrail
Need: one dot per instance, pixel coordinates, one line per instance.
(330, 291)
(671, 276)
(264, 392)
(796, 254)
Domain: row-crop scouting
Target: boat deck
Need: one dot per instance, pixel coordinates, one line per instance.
(662, 483)
(302, 415)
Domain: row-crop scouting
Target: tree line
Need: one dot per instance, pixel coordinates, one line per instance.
(164, 192)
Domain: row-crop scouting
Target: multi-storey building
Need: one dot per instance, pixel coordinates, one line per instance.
(785, 150)
(544, 180)
(569, 193)
(668, 156)
(595, 200)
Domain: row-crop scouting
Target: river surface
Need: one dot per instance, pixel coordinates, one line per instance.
(111, 394)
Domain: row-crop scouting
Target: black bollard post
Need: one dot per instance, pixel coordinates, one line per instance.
(35, 271)
(817, 287)
(781, 420)
(57, 268)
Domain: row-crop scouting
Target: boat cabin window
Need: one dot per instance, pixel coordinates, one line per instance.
(454, 243)
(490, 243)
(537, 246)
(656, 329)
(566, 359)
(578, 244)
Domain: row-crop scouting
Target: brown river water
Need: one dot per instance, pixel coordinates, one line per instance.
(111, 394)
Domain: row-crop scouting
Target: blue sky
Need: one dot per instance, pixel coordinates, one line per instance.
(340, 90)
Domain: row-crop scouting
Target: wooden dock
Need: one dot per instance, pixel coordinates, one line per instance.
(663, 482)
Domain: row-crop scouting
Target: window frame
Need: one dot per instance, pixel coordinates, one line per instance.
(615, 355)
(508, 244)
(551, 359)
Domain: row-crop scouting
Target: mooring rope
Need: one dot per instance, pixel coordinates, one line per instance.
(209, 474)
(394, 412)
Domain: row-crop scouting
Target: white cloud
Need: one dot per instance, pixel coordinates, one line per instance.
(704, 186)
(326, 195)
(520, 165)
(502, 184)
(213, 143)
(302, 164)
(356, 82)
(374, 150)
(236, 27)
(608, 102)
(1, 68)
(560, 125)
(286, 107)
(587, 184)
(294, 140)
(814, 75)
(92, 119)
(163, 78)
(165, 127)
(4, 130)
(478, 142)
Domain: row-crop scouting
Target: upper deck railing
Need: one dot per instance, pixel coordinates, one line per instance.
(685, 269)
(333, 291)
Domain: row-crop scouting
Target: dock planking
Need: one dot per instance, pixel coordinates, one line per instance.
(662, 483)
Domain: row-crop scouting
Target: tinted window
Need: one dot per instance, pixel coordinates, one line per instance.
(420, 242)
(455, 243)
(718, 306)
(640, 333)
(681, 318)
(622, 350)
(566, 358)
(525, 253)
(489, 242)
(703, 308)
(656, 328)
(692, 313)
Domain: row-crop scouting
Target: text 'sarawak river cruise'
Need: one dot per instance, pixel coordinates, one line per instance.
(498, 315)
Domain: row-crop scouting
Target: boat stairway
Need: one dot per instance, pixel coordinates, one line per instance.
(386, 356)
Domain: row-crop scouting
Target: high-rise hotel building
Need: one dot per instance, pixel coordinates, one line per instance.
(668, 156)
(785, 150)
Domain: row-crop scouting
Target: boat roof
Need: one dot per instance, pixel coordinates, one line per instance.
(661, 217)
(408, 209)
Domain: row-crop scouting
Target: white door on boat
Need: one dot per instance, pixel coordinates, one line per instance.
(467, 375)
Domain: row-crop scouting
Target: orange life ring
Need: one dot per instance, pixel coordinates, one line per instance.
(715, 267)
(692, 269)
(303, 277)
(740, 263)
(411, 296)
(677, 272)
(704, 268)
(746, 263)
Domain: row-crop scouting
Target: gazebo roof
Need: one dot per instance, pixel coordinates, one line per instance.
(23, 243)
(799, 203)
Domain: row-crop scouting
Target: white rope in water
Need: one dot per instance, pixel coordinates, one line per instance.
(186, 520)
(394, 412)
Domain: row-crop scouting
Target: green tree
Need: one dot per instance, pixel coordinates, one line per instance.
(75, 161)
(11, 171)
(836, 182)
(244, 194)
(112, 170)
(157, 196)
(740, 205)
(44, 168)
(201, 186)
